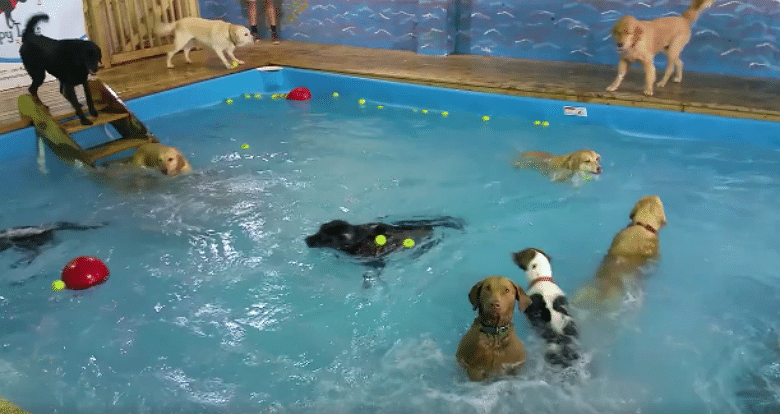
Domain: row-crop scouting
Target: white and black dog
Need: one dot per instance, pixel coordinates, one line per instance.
(548, 313)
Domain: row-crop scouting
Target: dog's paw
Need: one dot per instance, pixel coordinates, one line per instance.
(660, 84)
(648, 92)
(85, 121)
(240, 62)
(677, 80)
(170, 66)
(611, 88)
(93, 112)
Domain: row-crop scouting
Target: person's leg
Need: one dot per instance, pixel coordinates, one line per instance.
(251, 6)
(270, 13)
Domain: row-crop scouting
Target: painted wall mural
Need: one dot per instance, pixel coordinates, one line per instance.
(737, 37)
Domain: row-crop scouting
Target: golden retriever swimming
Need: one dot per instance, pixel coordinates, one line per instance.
(561, 167)
(632, 249)
(641, 40)
(491, 347)
(169, 160)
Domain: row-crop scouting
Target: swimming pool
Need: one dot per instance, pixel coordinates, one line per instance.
(215, 304)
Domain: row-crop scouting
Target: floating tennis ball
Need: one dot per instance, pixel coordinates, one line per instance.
(425, 111)
(247, 96)
(335, 94)
(408, 243)
(244, 146)
(258, 96)
(380, 240)
(486, 118)
(57, 285)
(445, 113)
(228, 101)
(361, 101)
(537, 122)
(545, 123)
(380, 107)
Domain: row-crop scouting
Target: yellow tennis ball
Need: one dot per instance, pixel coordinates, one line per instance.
(229, 101)
(380, 240)
(234, 64)
(335, 94)
(247, 96)
(486, 118)
(537, 122)
(244, 146)
(258, 96)
(380, 107)
(408, 243)
(57, 285)
(545, 123)
(361, 101)
(425, 111)
(415, 111)
(445, 113)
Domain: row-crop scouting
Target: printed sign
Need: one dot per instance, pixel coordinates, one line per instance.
(66, 21)
(575, 110)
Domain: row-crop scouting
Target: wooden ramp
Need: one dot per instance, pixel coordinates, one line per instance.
(110, 109)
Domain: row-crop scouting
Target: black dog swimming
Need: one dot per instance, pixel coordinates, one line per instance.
(69, 60)
(360, 240)
(30, 239)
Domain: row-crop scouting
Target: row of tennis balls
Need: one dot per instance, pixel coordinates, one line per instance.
(381, 240)
(362, 101)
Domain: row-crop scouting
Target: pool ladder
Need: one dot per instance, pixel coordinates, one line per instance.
(110, 109)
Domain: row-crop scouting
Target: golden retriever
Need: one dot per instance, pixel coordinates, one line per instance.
(641, 40)
(221, 37)
(632, 248)
(561, 167)
(169, 160)
(491, 347)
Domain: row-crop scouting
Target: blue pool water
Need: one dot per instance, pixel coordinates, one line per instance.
(216, 305)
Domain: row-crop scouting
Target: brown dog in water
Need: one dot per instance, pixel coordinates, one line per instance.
(632, 248)
(491, 347)
(169, 160)
(561, 167)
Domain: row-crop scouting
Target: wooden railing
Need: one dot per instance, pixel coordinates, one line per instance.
(125, 29)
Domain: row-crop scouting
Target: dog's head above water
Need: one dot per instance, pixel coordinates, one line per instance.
(534, 262)
(340, 235)
(585, 160)
(648, 211)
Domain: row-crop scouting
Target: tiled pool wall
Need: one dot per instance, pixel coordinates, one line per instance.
(737, 37)
(647, 123)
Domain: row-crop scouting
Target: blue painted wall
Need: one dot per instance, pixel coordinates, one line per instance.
(737, 37)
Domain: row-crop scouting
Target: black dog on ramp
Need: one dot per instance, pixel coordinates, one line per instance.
(372, 243)
(69, 60)
(30, 239)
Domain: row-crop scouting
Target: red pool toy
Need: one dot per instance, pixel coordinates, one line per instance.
(299, 94)
(84, 272)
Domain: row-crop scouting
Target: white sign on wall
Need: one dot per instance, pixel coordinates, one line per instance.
(66, 21)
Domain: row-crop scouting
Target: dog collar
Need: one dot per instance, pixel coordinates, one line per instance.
(494, 330)
(541, 279)
(646, 226)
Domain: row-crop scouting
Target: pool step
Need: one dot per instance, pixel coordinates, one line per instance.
(111, 110)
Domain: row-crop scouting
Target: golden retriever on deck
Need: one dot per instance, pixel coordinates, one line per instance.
(169, 160)
(491, 347)
(221, 37)
(641, 40)
(632, 248)
(561, 167)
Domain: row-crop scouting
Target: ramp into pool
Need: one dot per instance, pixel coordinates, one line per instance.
(111, 110)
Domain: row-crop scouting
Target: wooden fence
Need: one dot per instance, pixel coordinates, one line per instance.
(125, 29)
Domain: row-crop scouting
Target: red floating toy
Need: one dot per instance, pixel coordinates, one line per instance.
(84, 272)
(299, 94)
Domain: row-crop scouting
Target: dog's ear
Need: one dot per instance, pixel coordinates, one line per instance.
(180, 162)
(233, 31)
(474, 294)
(523, 301)
(569, 162)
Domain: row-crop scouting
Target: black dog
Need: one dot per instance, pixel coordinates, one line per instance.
(360, 240)
(69, 60)
(7, 6)
(30, 239)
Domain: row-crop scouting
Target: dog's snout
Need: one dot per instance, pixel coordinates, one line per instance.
(620, 44)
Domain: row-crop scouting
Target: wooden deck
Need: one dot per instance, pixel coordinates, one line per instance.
(701, 93)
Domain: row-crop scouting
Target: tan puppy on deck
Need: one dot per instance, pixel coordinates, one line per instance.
(169, 160)
(641, 40)
(491, 347)
(561, 167)
(223, 38)
(632, 249)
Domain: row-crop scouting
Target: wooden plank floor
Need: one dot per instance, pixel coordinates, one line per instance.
(703, 93)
